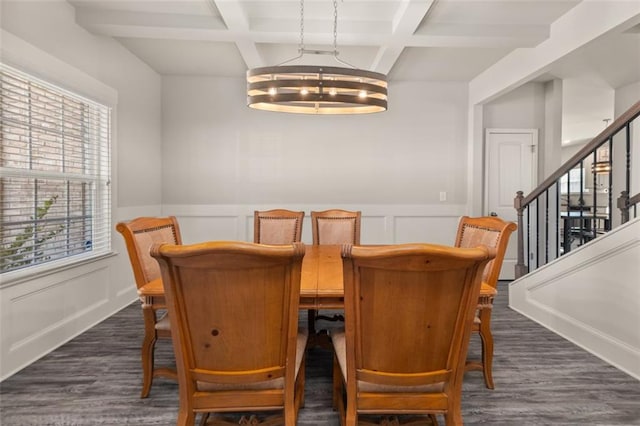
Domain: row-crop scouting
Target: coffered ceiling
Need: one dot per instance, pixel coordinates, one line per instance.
(436, 40)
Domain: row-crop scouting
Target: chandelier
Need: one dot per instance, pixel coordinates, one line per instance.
(309, 89)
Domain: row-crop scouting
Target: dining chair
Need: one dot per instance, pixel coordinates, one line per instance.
(233, 308)
(139, 234)
(333, 226)
(409, 310)
(492, 232)
(277, 226)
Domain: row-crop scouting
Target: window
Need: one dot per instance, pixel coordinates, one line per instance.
(55, 196)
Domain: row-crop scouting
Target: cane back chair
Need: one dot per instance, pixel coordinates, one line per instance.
(409, 310)
(233, 308)
(139, 234)
(493, 232)
(277, 226)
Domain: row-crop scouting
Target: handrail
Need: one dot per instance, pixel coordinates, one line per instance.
(605, 135)
(578, 226)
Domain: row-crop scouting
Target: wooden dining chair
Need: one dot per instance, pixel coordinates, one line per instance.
(409, 310)
(233, 308)
(492, 232)
(139, 234)
(331, 227)
(277, 226)
(336, 227)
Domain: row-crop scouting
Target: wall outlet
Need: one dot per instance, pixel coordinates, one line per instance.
(443, 195)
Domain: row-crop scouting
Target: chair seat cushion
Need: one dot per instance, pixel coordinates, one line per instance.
(163, 323)
(303, 335)
(338, 339)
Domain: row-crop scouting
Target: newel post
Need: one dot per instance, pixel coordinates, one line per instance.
(623, 205)
(521, 269)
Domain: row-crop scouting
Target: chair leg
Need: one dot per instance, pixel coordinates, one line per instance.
(337, 379)
(185, 417)
(351, 418)
(300, 381)
(147, 351)
(453, 418)
(290, 417)
(311, 321)
(487, 347)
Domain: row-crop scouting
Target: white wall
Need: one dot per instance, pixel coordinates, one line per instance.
(551, 160)
(585, 105)
(41, 37)
(225, 159)
(625, 97)
(522, 108)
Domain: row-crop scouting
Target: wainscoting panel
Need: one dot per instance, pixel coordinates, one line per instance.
(195, 229)
(381, 224)
(591, 296)
(48, 304)
(41, 312)
(437, 230)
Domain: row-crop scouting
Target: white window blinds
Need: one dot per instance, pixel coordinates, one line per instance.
(55, 168)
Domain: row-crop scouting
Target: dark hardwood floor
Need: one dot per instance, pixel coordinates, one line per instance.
(541, 379)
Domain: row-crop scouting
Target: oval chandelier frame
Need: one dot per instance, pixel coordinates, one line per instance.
(309, 89)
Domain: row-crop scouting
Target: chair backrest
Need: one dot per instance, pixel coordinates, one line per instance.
(277, 226)
(409, 310)
(139, 235)
(233, 308)
(490, 231)
(335, 227)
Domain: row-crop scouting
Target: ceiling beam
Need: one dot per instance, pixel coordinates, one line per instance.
(405, 22)
(581, 25)
(237, 22)
(103, 19)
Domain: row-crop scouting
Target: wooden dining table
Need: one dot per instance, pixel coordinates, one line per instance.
(320, 284)
(321, 287)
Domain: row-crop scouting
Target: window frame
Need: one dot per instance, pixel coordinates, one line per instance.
(102, 207)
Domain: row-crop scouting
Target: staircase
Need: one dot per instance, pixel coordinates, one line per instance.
(579, 248)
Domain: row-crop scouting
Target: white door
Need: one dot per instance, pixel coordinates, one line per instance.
(510, 166)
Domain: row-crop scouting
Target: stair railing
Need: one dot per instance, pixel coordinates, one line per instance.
(625, 203)
(574, 205)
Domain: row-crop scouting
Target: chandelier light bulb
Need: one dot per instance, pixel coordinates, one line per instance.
(362, 94)
(272, 91)
(304, 91)
(333, 91)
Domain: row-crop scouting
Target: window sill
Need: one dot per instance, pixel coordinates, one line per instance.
(13, 278)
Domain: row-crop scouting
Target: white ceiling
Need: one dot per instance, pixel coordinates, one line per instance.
(417, 40)
(441, 40)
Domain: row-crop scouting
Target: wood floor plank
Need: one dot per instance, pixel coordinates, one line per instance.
(540, 378)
